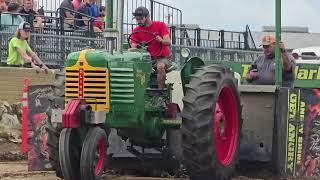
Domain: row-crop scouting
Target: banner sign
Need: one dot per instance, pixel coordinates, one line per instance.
(302, 133)
(39, 105)
(307, 75)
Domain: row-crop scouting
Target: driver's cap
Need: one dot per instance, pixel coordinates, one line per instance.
(141, 12)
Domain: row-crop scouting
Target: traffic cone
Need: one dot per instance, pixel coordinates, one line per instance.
(25, 111)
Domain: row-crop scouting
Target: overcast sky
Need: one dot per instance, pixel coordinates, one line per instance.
(235, 14)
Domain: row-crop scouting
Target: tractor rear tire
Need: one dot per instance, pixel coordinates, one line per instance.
(53, 149)
(211, 124)
(55, 129)
(69, 153)
(94, 154)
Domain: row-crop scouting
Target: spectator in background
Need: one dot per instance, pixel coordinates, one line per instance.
(262, 71)
(3, 6)
(41, 11)
(11, 20)
(94, 9)
(76, 4)
(20, 52)
(68, 21)
(99, 21)
(28, 10)
(82, 16)
(16, 1)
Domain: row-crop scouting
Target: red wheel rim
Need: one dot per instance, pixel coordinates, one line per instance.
(100, 157)
(225, 126)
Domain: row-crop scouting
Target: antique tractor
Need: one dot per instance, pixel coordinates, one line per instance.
(119, 91)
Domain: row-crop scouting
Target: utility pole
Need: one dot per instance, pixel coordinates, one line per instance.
(278, 40)
(120, 25)
(109, 14)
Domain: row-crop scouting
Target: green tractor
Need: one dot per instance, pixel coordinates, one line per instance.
(106, 90)
(118, 90)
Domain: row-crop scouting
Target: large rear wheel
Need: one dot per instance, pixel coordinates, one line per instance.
(211, 124)
(69, 153)
(53, 149)
(54, 129)
(94, 154)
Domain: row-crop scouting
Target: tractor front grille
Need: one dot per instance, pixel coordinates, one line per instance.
(93, 85)
(122, 85)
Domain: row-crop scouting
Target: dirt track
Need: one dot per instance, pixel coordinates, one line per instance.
(18, 171)
(14, 166)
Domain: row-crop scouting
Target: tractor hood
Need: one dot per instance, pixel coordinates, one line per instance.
(100, 58)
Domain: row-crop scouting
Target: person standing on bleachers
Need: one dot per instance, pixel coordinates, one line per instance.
(82, 17)
(11, 20)
(99, 21)
(28, 10)
(3, 6)
(68, 16)
(76, 4)
(94, 9)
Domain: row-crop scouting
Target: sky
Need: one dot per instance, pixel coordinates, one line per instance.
(235, 14)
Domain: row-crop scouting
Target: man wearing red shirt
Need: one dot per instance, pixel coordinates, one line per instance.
(159, 47)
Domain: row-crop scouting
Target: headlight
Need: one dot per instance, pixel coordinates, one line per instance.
(185, 52)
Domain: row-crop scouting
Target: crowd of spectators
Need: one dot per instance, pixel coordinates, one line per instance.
(16, 16)
(76, 14)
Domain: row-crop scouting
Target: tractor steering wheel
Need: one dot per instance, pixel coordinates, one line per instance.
(145, 43)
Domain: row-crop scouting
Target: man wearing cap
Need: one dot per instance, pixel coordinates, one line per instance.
(262, 71)
(160, 60)
(20, 53)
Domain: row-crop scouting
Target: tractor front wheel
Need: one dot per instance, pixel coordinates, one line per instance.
(69, 153)
(94, 154)
(211, 124)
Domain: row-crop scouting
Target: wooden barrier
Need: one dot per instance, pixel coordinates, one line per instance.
(11, 81)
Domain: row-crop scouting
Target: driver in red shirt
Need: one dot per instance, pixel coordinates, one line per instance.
(159, 49)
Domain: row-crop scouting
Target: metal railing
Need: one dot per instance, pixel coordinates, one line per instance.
(51, 25)
(49, 5)
(194, 36)
(210, 55)
(158, 12)
(180, 35)
(54, 49)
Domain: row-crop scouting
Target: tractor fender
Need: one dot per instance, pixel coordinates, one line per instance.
(190, 68)
(70, 116)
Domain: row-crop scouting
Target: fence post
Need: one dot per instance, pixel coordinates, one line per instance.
(30, 21)
(151, 9)
(198, 30)
(246, 42)
(91, 31)
(173, 35)
(61, 25)
(109, 15)
(222, 39)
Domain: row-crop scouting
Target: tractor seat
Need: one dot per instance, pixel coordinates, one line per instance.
(173, 66)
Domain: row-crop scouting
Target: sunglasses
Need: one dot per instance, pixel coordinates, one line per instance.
(26, 30)
(139, 17)
(266, 46)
